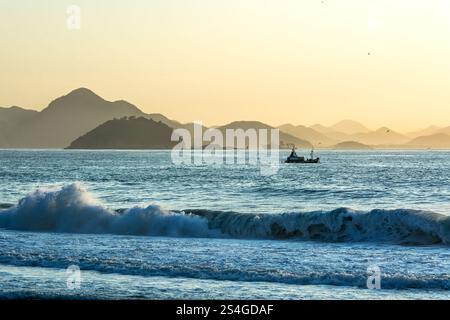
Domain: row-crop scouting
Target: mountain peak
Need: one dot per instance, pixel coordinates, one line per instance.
(349, 127)
(83, 92)
(245, 124)
(383, 129)
(15, 108)
(78, 98)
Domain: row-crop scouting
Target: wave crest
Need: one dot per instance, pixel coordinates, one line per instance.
(72, 209)
(401, 226)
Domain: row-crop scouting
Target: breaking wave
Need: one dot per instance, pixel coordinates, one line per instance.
(71, 209)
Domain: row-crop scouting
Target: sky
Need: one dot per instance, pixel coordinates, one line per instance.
(380, 62)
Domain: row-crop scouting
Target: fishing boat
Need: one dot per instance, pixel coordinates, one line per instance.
(294, 158)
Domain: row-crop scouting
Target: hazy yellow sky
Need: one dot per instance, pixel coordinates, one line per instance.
(298, 61)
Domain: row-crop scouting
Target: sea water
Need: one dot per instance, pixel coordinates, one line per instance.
(139, 226)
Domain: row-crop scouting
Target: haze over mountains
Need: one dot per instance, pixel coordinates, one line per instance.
(316, 138)
(14, 114)
(72, 116)
(381, 136)
(353, 135)
(65, 119)
(349, 127)
(11, 117)
(286, 139)
(351, 145)
(437, 140)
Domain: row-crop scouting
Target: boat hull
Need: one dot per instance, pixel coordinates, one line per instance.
(289, 160)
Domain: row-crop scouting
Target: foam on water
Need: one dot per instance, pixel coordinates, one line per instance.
(72, 209)
(402, 226)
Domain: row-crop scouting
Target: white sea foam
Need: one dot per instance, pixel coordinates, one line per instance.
(402, 226)
(72, 209)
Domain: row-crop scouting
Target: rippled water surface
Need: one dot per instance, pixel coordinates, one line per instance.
(183, 264)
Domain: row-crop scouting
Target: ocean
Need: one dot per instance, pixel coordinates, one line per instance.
(140, 227)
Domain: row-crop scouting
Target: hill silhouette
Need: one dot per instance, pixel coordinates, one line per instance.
(66, 118)
(309, 134)
(437, 140)
(330, 133)
(15, 114)
(127, 133)
(71, 116)
(9, 119)
(424, 132)
(382, 136)
(351, 145)
(445, 130)
(349, 127)
(286, 140)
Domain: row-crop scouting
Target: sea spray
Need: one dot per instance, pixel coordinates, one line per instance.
(72, 209)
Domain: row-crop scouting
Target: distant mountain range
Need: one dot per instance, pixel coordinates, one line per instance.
(315, 137)
(349, 127)
(70, 120)
(142, 133)
(64, 119)
(382, 136)
(437, 140)
(424, 132)
(286, 139)
(328, 137)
